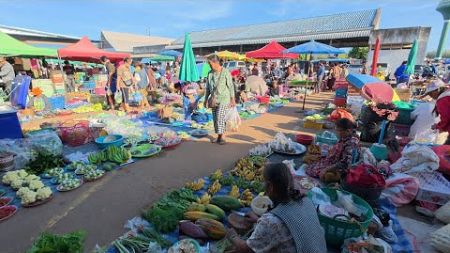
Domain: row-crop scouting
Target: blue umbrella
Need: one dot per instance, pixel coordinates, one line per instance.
(314, 47)
(147, 60)
(203, 69)
(171, 53)
(359, 80)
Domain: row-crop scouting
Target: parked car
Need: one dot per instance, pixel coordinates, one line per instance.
(232, 65)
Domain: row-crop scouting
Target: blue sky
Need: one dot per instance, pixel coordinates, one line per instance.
(171, 18)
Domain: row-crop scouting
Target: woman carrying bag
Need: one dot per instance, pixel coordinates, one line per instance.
(125, 82)
(219, 95)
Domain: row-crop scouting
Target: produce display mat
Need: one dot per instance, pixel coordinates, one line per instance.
(403, 245)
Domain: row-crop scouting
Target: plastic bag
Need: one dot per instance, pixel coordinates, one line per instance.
(428, 136)
(22, 148)
(416, 158)
(118, 97)
(440, 239)
(318, 197)
(346, 202)
(46, 140)
(364, 245)
(136, 224)
(232, 119)
(443, 213)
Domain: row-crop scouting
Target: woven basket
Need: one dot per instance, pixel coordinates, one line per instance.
(75, 133)
(404, 94)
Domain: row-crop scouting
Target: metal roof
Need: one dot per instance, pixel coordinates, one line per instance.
(124, 42)
(344, 25)
(11, 30)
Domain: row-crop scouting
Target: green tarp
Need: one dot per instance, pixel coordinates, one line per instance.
(13, 47)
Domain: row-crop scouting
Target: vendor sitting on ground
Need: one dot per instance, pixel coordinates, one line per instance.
(292, 226)
(340, 156)
(190, 99)
(38, 102)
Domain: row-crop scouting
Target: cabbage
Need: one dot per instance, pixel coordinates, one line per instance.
(43, 193)
(28, 197)
(36, 184)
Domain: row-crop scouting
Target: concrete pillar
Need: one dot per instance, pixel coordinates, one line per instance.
(443, 39)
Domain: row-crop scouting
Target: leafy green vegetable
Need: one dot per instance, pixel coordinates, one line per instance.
(67, 243)
(43, 162)
(166, 213)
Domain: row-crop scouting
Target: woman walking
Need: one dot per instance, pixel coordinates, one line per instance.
(219, 95)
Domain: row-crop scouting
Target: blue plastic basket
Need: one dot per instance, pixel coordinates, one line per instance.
(57, 102)
(89, 85)
(341, 93)
(117, 142)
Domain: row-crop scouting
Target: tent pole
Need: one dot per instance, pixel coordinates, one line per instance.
(62, 71)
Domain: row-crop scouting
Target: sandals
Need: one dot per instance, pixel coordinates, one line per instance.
(220, 142)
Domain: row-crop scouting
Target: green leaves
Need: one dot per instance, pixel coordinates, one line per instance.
(68, 243)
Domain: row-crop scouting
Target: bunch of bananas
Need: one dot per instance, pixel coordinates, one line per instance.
(214, 188)
(204, 199)
(250, 168)
(217, 175)
(314, 150)
(234, 192)
(97, 157)
(117, 155)
(246, 197)
(196, 185)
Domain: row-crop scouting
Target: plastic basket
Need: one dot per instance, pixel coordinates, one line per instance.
(75, 133)
(336, 230)
(57, 102)
(313, 125)
(340, 102)
(404, 116)
(6, 161)
(325, 140)
(341, 93)
(89, 85)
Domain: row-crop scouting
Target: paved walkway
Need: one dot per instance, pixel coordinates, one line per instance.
(102, 207)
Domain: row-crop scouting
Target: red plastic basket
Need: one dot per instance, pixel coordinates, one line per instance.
(75, 133)
(263, 100)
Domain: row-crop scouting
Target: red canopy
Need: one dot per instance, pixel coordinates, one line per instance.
(84, 50)
(273, 50)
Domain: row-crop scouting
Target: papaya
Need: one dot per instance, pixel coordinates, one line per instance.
(190, 229)
(214, 229)
(197, 207)
(225, 202)
(217, 211)
(195, 215)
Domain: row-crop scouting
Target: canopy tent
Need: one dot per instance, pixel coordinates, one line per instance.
(227, 55)
(273, 50)
(339, 60)
(188, 68)
(314, 47)
(172, 53)
(10, 46)
(76, 63)
(85, 50)
(159, 58)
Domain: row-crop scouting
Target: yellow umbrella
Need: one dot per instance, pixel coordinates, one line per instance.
(227, 55)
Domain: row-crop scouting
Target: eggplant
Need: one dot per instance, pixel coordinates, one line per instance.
(190, 229)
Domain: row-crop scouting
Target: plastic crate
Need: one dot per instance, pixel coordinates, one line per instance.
(88, 85)
(313, 125)
(401, 129)
(57, 102)
(340, 102)
(404, 116)
(434, 188)
(341, 93)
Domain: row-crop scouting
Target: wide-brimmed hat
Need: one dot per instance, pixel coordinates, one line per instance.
(435, 85)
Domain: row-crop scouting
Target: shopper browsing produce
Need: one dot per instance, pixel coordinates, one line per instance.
(291, 226)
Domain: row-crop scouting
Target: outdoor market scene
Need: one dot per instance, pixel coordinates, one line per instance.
(317, 132)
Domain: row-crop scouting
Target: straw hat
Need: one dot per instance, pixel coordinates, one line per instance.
(435, 85)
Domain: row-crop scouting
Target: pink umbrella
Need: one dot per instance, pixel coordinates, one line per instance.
(376, 53)
(380, 93)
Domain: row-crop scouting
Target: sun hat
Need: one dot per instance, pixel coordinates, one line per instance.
(435, 85)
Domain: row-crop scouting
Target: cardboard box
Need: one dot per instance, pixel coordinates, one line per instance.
(434, 188)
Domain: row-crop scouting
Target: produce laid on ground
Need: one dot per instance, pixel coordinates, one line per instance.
(84, 168)
(283, 145)
(7, 211)
(69, 184)
(42, 162)
(93, 175)
(68, 243)
(30, 189)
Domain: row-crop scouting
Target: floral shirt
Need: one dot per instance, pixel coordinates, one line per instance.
(271, 235)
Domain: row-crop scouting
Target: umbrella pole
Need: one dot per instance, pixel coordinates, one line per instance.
(304, 100)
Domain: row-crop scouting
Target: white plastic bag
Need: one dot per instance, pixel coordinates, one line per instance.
(428, 136)
(232, 119)
(118, 97)
(416, 158)
(318, 197)
(440, 239)
(46, 140)
(346, 202)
